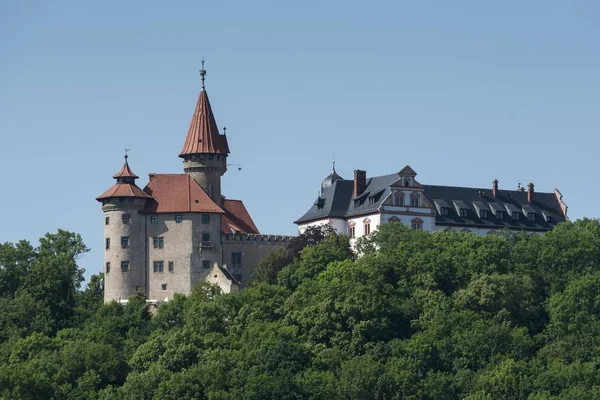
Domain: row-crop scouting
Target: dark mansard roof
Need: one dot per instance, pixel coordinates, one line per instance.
(338, 201)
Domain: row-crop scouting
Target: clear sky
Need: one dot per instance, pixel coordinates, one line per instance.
(464, 92)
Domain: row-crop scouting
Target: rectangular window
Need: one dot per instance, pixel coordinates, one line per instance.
(398, 200)
(206, 264)
(484, 213)
(126, 218)
(464, 212)
(414, 202)
(159, 243)
(178, 219)
(531, 216)
(500, 214)
(516, 215)
(205, 218)
(236, 258)
(106, 220)
(159, 266)
(367, 229)
(416, 226)
(352, 231)
(163, 286)
(171, 266)
(108, 267)
(206, 237)
(371, 200)
(107, 243)
(124, 242)
(444, 211)
(124, 266)
(154, 219)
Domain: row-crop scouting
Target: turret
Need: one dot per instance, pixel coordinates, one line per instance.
(330, 180)
(205, 151)
(125, 269)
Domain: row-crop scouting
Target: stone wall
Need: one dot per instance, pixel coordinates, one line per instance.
(253, 249)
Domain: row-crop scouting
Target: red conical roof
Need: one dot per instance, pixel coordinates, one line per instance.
(125, 172)
(125, 186)
(203, 135)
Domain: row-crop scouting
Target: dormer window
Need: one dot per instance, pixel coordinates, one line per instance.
(484, 213)
(371, 201)
(444, 211)
(464, 212)
(500, 214)
(531, 216)
(407, 182)
(516, 215)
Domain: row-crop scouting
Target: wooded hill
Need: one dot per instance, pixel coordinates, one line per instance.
(442, 315)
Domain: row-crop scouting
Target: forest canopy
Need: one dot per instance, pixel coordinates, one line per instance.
(445, 315)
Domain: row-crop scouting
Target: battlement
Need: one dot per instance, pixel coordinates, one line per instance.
(250, 238)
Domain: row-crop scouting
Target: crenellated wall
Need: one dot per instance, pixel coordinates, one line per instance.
(253, 249)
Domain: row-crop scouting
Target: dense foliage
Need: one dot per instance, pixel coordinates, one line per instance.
(418, 316)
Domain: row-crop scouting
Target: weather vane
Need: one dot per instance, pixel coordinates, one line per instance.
(203, 73)
(127, 151)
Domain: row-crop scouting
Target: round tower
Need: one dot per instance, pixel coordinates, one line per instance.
(124, 237)
(205, 151)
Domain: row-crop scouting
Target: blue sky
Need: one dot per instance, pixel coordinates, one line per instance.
(463, 91)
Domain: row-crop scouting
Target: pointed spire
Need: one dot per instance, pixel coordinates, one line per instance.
(125, 171)
(203, 135)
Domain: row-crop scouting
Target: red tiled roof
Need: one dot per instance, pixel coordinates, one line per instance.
(125, 172)
(236, 218)
(123, 190)
(177, 193)
(203, 135)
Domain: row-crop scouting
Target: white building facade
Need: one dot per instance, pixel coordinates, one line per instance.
(358, 207)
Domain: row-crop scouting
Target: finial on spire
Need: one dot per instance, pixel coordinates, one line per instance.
(224, 130)
(203, 73)
(333, 164)
(126, 156)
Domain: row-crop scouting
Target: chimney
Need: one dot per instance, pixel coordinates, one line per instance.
(530, 192)
(495, 187)
(360, 181)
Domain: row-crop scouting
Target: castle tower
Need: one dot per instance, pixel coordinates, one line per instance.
(124, 236)
(205, 151)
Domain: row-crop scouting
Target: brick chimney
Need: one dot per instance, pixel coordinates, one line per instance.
(360, 181)
(530, 192)
(495, 187)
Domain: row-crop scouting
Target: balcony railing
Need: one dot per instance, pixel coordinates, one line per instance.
(207, 245)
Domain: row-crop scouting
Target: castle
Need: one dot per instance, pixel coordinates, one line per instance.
(357, 207)
(179, 229)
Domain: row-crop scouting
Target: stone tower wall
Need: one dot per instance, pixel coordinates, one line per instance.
(182, 245)
(207, 169)
(121, 285)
